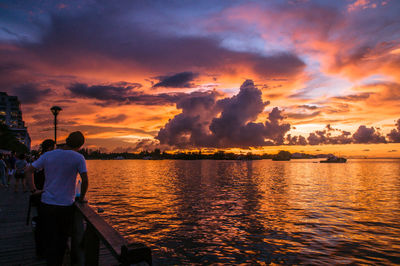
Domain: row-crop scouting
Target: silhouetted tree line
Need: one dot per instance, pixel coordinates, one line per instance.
(158, 155)
(9, 142)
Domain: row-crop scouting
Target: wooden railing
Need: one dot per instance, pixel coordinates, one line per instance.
(90, 228)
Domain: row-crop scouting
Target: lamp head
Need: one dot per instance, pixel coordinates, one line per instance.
(55, 110)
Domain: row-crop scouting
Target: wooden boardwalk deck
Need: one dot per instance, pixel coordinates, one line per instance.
(17, 245)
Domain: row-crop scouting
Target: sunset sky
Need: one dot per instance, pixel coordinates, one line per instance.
(313, 76)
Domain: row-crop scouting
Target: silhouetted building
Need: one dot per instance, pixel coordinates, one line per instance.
(11, 115)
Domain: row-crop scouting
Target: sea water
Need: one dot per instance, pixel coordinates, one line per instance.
(253, 212)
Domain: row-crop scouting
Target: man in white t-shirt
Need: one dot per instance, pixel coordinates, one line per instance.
(61, 167)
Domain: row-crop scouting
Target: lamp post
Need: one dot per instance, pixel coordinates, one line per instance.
(55, 110)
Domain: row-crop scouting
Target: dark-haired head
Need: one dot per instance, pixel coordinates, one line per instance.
(75, 140)
(21, 156)
(47, 145)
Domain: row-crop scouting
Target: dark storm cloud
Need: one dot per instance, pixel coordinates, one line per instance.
(295, 140)
(30, 93)
(326, 136)
(113, 94)
(111, 119)
(76, 39)
(190, 128)
(363, 135)
(179, 80)
(102, 92)
(228, 122)
(277, 65)
(394, 135)
(368, 135)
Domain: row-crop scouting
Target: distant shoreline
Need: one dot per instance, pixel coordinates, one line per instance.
(209, 159)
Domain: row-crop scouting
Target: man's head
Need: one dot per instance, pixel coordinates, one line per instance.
(75, 140)
(47, 145)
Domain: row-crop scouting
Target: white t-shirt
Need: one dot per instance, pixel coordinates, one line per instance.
(60, 169)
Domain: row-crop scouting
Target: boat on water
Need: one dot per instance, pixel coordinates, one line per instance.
(334, 159)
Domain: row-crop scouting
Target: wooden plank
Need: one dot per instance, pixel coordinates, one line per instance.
(17, 245)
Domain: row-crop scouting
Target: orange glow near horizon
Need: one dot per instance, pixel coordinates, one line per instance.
(126, 79)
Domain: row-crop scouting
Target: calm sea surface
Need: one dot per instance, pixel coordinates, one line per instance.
(254, 212)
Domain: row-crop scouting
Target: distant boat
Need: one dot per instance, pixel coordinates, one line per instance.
(334, 159)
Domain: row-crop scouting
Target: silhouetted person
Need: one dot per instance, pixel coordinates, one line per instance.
(3, 172)
(20, 165)
(56, 211)
(11, 166)
(39, 176)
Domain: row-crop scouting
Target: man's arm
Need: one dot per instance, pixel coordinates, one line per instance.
(29, 170)
(84, 186)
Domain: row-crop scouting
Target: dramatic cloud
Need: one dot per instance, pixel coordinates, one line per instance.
(110, 95)
(327, 136)
(180, 80)
(191, 127)
(115, 43)
(322, 61)
(30, 93)
(200, 125)
(295, 140)
(368, 135)
(394, 135)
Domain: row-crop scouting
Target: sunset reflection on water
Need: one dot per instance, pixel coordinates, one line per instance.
(254, 211)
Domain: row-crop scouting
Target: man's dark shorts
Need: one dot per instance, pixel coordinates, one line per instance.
(19, 176)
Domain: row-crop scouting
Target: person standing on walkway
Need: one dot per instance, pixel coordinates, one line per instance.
(3, 172)
(11, 166)
(56, 210)
(20, 165)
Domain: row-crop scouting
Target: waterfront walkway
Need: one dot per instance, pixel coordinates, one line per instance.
(17, 245)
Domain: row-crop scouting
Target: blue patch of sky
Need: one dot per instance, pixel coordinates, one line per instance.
(19, 26)
(254, 44)
(27, 21)
(377, 78)
(320, 84)
(229, 91)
